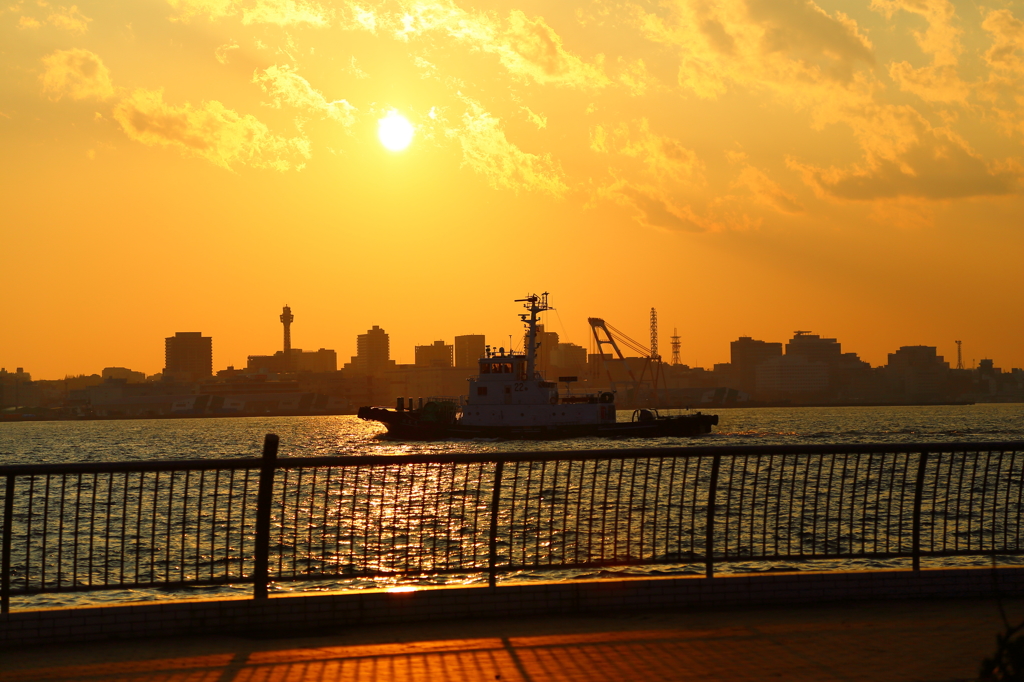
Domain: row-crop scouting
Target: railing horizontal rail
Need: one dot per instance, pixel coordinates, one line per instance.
(177, 524)
(535, 456)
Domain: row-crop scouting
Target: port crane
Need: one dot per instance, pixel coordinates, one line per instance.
(606, 334)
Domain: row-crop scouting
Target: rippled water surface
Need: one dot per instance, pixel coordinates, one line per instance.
(160, 439)
(185, 439)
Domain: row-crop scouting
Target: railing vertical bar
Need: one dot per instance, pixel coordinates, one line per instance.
(5, 545)
(551, 513)
(1006, 501)
(1020, 497)
(984, 497)
(657, 506)
(618, 509)
(76, 531)
(566, 494)
(728, 509)
(581, 478)
(854, 485)
(167, 524)
(903, 499)
(804, 501)
(753, 505)
(43, 563)
(540, 513)
(740, 534)
(629, 507)
(777, 506)
(915, 540)
(492, 543)
(353, 519)
(792, 496)
(106, 533)
(28, 530)
(338, 519)
(60, 531)
(463, 516)
(593, 508)
(261, 571)
(92, 525)
(218, 474)
(476, 512)
(839, 511)
(959, 500)
(243, 520)
(709, 537)
(817, 506)
(184, 525)
(197, 565)
(935, 499)
(970, 500)
(324, 524)
(828, 501)
(513, 505)
(668, 507)
(138, 528)
(693, 505)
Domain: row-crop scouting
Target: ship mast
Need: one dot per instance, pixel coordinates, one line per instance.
(536, 305)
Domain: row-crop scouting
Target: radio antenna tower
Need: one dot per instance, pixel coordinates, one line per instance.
(654, 335)
(675, 346)
(959, 355)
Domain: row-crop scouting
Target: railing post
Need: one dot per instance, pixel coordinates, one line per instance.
(5, 552)
(492, 559)
(709, 539)
(261, 571)
(915, 546)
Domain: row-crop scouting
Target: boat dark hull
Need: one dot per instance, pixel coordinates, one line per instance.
(408, 426)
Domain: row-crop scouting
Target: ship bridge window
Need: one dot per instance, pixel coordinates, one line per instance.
(481, 390)
(521, 371)
(485, 368)
(502, 367)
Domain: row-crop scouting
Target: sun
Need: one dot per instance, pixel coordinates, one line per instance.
(395, 131)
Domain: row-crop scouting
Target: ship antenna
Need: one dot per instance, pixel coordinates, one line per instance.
(536, 305)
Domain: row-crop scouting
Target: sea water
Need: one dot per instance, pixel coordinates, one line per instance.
(185, 439)
(175, 439)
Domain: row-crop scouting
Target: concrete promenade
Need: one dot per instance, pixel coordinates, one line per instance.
(937, 639)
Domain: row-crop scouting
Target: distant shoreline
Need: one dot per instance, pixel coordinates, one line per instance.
(698, 408)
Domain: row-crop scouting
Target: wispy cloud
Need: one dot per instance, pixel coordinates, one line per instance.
(277, 12)
(289, 88)
(68, 19)
(209, 131)
(487, 151)
(76, 73)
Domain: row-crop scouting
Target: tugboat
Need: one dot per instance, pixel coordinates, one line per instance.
(510, 399)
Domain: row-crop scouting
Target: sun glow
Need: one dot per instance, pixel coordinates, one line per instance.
(395, 131)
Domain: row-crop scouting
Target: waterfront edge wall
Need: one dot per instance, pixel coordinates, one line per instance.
(328, 613)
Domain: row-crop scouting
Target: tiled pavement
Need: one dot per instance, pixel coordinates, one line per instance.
(936, 640)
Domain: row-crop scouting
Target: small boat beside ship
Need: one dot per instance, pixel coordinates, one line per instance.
(510, 399)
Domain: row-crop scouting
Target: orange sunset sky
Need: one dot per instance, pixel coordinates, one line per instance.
(747, 167)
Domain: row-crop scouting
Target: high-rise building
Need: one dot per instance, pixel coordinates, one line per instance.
(813, 347)
(917, 373)
(546, 344)
(745, 355)
(437, 354)
(373, 353)
(188, 356)
(469, 348)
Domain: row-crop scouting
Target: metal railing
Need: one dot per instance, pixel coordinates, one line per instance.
(104, 526)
